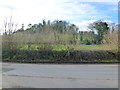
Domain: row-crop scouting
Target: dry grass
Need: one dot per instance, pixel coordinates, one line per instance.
(111, 40)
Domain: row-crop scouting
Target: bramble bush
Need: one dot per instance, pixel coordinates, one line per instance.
(58, 56)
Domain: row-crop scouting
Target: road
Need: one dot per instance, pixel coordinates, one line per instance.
(59, 76)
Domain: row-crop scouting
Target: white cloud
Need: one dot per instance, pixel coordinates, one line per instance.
(108, 21)
(115, 9)
(30, 11)
(33, 11)
(112, 1)
(83, 26)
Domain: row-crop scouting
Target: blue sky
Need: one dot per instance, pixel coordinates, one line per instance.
(107, 10)
(79, 12)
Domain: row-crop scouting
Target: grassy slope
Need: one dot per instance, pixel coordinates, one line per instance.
(59, 47)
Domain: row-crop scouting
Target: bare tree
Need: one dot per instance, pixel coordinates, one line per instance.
(9, 26)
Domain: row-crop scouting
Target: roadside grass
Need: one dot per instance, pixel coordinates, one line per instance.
(52, 61)
(109, 61)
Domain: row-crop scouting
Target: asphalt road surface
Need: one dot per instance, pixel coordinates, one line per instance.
(59, 76)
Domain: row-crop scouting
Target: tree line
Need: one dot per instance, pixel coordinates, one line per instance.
(56, 32)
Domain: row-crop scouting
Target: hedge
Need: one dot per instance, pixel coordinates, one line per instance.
(34, 56)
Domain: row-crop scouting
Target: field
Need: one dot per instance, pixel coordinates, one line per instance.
(60, 47)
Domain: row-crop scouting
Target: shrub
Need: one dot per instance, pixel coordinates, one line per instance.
(57, 56)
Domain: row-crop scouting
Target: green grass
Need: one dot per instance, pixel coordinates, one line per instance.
(88, 47)
(109, 61)
(60, 47)
(51, 61)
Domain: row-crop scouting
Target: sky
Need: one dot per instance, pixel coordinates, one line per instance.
(79, 12)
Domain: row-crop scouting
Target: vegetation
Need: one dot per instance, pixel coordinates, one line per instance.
(59, 41)
(101, 27)
(44, 56)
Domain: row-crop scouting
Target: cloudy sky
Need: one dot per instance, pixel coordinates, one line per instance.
(79, 12)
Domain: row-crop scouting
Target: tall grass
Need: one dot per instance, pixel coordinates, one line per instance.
(111, 40)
